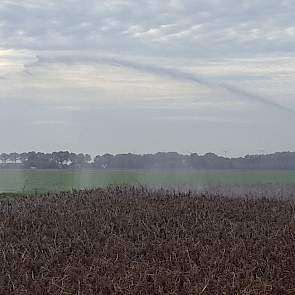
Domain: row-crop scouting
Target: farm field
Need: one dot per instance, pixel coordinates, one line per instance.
(130, 241)
(66, 180)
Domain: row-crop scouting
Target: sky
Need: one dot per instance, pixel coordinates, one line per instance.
(139, 76)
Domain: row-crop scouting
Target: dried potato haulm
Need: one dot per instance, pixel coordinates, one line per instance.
(136, 241)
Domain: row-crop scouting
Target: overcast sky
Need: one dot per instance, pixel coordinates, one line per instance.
(144, 76)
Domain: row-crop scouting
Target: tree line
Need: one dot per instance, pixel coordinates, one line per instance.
(161, 160)
(62, 159)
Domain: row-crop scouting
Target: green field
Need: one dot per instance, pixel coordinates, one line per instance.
(64, 180)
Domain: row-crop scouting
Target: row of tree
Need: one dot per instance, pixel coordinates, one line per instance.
(172, 160)
(62, 159)
(169, 160)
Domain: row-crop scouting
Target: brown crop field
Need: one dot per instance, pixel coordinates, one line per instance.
(137, 241)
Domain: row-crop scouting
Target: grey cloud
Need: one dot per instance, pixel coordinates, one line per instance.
(226, 26)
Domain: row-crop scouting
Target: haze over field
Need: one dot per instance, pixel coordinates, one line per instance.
(145, 76)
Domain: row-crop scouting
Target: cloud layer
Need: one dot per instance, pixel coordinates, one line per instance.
(180, 63)
(173, 27)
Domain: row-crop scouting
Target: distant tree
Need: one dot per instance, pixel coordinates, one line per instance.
(80, 160)
(23, 157)
(104, 161)
(13, 157)
(162, 160)
(97, 162)
(4, 157)
(31, 160)
(73, 159)
(87, 158)
(65, 157)
(147, 161)
(61, 158)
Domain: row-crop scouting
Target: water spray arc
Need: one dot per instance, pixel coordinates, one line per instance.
(171, 73)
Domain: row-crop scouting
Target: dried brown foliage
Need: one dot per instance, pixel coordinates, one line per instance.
(135, 241)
